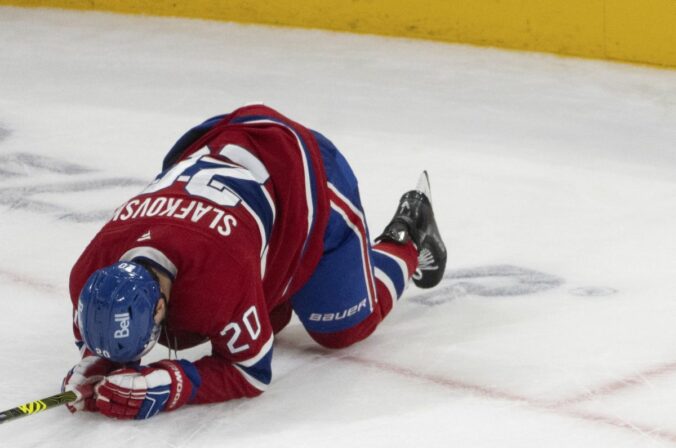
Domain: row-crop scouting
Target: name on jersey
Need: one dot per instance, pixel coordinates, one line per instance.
(180, 209)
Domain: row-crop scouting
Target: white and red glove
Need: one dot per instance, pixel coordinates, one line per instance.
(82, 378)
(162, 386)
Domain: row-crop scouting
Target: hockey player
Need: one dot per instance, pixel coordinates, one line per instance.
(252, 217)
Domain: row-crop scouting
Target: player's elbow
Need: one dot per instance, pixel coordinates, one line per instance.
(253, 387)
(254, 392)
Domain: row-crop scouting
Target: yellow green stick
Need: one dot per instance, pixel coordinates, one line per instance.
(37, 406)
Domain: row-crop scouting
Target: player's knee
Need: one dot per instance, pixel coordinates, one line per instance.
(334, 340)
(347, 337)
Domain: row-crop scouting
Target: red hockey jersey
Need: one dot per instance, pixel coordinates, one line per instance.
(237, 219)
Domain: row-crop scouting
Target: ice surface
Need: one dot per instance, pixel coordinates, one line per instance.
(554, 183)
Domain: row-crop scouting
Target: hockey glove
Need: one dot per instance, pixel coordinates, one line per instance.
(163, 386)
(81, 379)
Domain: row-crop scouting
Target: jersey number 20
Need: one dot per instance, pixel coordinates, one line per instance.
(252, 325)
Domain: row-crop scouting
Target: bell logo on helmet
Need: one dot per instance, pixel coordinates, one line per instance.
(123, 320)
(110, 298)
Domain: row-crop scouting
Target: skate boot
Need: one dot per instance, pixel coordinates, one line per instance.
(414, 221)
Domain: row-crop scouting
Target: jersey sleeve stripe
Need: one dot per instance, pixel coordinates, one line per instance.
(253, 378)
(265, 349)
(259, 212)
(256, 202)
(153, 255)
(257, 371)
(264, 236)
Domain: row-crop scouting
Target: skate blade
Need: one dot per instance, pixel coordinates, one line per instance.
(424, 185)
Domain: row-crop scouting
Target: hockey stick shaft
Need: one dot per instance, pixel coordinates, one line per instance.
(37, 406)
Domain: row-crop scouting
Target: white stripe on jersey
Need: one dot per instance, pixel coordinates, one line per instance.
(264, 261)
(400, 262)
(306, 170)
(382, 276)
(152, 254)
(241, 156)
(363, 238)
(265, 349)
(354, 209)
(246, 159)
(251, 380)
(365, 256)
(247, 167)
(259, 223)
(261, 354)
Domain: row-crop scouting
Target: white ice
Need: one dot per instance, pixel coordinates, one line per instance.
(554, 182)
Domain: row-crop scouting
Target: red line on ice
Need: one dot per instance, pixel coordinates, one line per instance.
(560, 408)
(634, 380)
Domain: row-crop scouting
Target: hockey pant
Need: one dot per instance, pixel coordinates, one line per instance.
(356, 283)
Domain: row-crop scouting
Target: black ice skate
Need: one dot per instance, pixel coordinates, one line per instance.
(414, 220)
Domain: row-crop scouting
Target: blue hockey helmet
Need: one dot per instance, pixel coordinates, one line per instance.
(116, 312)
